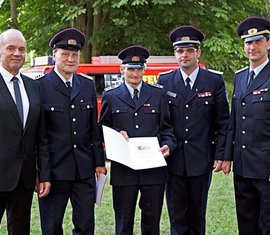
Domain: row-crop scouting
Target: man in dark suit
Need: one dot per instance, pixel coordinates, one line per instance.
(137, 109)
(75, 146)
(248, 138)
(199, 112)
(23, 146)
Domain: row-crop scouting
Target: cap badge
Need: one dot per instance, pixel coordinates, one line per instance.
(135, 58)
(72, 42)
(185, 38)
(252, 31)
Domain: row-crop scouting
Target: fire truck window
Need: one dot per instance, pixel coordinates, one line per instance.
(103, 81)
(113, 79)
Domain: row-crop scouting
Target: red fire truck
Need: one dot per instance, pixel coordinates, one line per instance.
(104, 70)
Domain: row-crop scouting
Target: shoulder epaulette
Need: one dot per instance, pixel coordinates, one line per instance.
(240, 70)
(162, 73)
(111, 87)
(156, 85)
(86, 76)
(215, 71)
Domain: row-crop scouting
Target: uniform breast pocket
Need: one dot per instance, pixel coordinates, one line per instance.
(205, 106)
(173, 103)
(119, 110)
(151, 115)
(53, 108)
(87, 106)
(261, 106)
(119, 115)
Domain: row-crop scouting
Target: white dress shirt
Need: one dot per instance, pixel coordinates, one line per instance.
(7, 78)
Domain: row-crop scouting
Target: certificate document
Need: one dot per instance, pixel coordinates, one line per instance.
(100, 185)
(138, 153)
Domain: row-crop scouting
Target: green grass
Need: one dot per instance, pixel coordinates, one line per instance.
(221, 218)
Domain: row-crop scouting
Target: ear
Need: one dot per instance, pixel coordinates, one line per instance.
(268, 45)
(54, 52)
(122, 68)
(199, 52)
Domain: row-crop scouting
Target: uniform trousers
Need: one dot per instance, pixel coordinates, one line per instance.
(252, 205)
(187, 201)
(82, 197)
(150, 203)
(17, 204)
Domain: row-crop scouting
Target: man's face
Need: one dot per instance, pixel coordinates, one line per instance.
(133, 76)
(187, 57)
(257, 51)
(66, 61)
(12, 53)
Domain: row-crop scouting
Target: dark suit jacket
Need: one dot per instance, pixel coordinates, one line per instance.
(18, 144)
(248, 140)
(150, 117)
(75, 144)
(199, 119)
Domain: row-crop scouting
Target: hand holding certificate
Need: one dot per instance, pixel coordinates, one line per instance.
(138, 153)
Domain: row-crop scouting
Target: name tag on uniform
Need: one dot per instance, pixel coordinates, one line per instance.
(259, 91)
(172, 94)
(204, 94)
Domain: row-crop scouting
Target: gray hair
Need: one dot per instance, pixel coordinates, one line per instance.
(4, 36)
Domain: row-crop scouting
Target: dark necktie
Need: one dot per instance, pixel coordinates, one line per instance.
(18, 97)
(188, 84)
(135, 95)
(68, 84)
(250, 77)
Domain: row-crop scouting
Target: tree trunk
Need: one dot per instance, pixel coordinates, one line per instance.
(13, 11)
(96, 44)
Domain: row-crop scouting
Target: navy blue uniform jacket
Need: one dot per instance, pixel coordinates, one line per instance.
(150, 117)
(71, 122)
(199, 119)
(248, 141)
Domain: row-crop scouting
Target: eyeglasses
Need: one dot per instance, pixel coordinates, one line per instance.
(188, 50)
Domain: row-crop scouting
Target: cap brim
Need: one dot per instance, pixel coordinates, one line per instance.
(254, 38)
(184, 45)
(134, 66)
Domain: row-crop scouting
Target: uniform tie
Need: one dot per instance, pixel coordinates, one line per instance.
(18, 97)
(68, 84)
(135, 95)
(250, 77)
(188, 84)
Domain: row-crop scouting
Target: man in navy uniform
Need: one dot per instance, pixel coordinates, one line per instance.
(199, 112)
(137, 109)
(75, 145)
(248, 139)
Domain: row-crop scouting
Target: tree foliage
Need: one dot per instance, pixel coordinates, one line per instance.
(110, 25)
